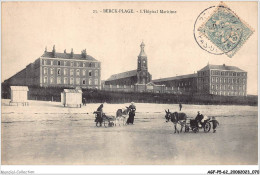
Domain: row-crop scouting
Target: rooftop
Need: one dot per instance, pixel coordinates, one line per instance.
(221, 67)
(68, 56)
(175, 78)
(122, 75)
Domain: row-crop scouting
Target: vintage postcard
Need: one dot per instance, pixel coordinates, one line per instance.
(129, 83)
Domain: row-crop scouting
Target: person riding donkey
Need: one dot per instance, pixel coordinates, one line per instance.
(200, 118)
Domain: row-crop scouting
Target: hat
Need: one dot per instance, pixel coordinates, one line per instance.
(213, 118)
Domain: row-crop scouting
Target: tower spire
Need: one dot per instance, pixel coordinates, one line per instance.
(142, 53)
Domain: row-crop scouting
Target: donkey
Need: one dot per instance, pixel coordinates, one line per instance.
(176, 118)
(121, 115)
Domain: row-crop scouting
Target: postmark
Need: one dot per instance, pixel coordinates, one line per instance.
(203, 42)
(226, 30)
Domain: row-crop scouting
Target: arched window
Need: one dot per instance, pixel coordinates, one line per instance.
(45, 80)
(71, 72)
(51, 71)
(58, 63)
(65, 80)
(58, 80)
(96, 81)
(77, 72)
(45, 71)
(65, 71)
(71, 80)
(58, 71)
(84, 72)
(77, 80)
(52, 80)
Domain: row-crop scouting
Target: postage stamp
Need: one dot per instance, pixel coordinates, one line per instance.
(203, 42)
(226, 30)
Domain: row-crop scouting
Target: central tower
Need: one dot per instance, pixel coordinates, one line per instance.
(143, 76)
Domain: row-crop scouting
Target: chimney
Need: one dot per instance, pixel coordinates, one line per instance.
(224, 65)
(84, 53)
(72, 53)
(54, 51)
(45, 50)
(65, 51)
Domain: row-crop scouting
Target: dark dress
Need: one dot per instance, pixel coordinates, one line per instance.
(131, 117)
(99, 114)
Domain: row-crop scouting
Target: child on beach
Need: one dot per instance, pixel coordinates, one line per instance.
(215, 123)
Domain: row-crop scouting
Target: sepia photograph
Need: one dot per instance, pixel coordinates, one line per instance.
(129, 83)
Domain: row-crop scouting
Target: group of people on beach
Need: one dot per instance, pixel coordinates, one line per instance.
(132, 109)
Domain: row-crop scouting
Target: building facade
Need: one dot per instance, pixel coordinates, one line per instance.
(55, 69)
(185, 84)
(222, 80)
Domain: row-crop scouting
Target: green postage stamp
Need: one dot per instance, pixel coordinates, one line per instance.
(226, 30)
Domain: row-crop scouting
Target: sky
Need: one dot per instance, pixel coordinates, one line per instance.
(114, 39)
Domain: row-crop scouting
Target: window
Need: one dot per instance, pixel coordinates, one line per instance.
(65, 71)
(71, 64)
(77, 72)
(51, 62)
(52, 80)
(96, 73)
(65, 63)
(58, 71)
(45, 71)
(83, 81)
(44, 62)
(65, 80)
(96, 81)
(71, 72)
(225, 80)
(77, 64)
(212, 72)
(226, 73)
(213, 87)
(90, 73)
(77, 80)
(58, 63)
(84, 72)
(84, 64)
(222, 73)
(71, 80)
(234, 74)
(58, 80)
(89, 65)
(45, 80)
(51, 71)
(217, 79)
(96, 64)
(90, 81)
(217, 87)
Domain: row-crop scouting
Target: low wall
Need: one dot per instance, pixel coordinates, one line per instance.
(99, 96)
